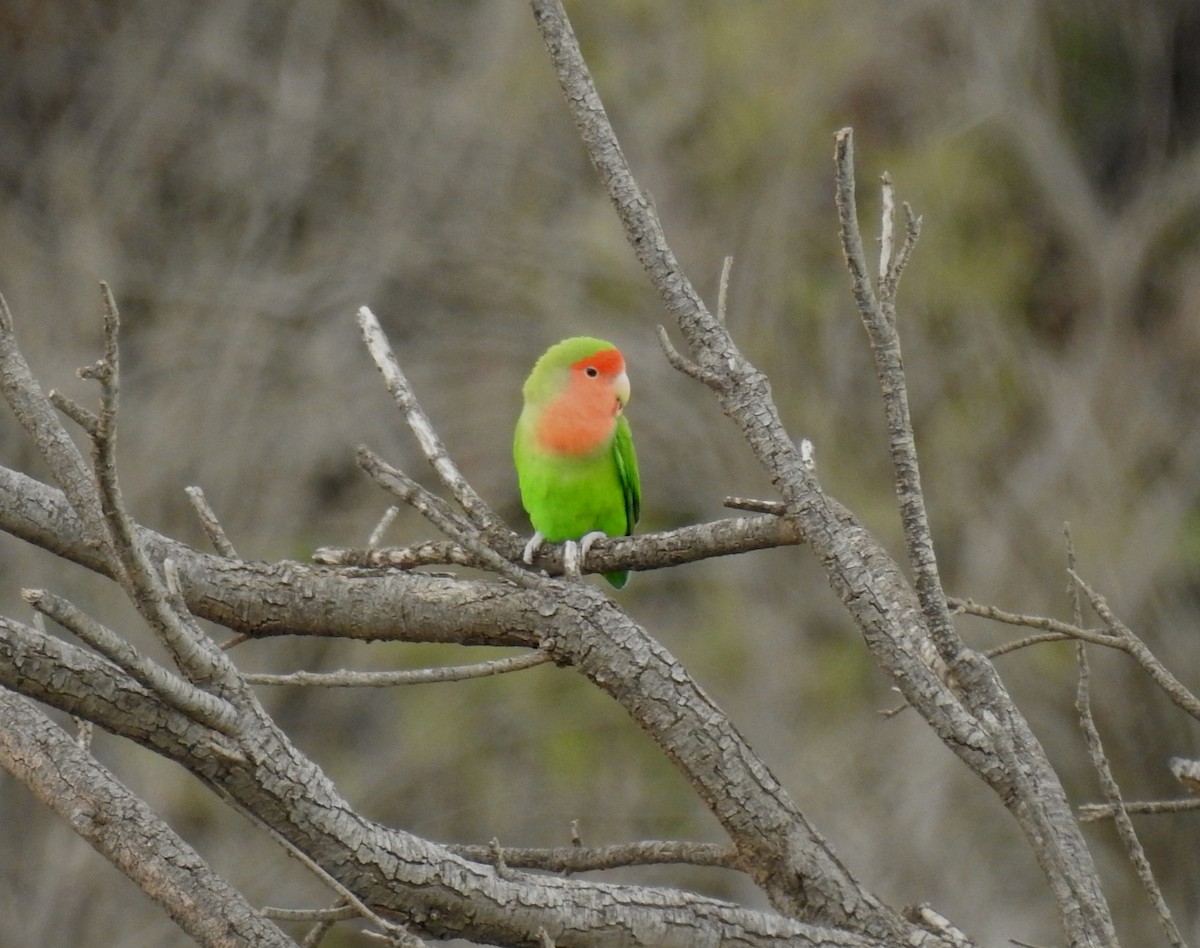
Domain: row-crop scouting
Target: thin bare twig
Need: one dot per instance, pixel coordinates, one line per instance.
(886, 225)
(344, 893)
(317, 934)
(441, 515)
(200, 660)
(87, 420)
(209, 523)
(723, 288)
(385, 521)
(1112, 793)
(1108, 783)
(681, 363)
(1128, 641)
(1062, 629)
(428, 553)
(428, 504)
(415, 676)
(199, 705)
(755, 505)
(1091, 812)
(435, 452)
(878, 318)
(337, 913)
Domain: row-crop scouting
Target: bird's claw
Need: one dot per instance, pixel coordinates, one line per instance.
(574, 554)
(531, 547)
(571, 559)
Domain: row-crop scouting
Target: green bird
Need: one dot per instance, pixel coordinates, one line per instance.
(574, 453)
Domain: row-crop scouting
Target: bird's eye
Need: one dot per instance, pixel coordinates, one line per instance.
(591, 371)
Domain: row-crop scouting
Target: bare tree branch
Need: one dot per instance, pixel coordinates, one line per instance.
(126, 831)
(416, 676)
(394, 872)
(209, 522)
(1129, 642)
(646, 551)
(206, 708)
(1112, 793)
(992, 736)
(879, 318)
(1108, 782)
(435, 452)
(35, 414)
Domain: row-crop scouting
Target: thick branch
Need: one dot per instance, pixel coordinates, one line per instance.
(418, 881)
(36, 415)
(126, 831)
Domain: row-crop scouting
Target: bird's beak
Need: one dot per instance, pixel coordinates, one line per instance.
(621, 387)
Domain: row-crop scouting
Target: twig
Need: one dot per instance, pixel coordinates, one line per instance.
(755, 505)
(1061, 629)
(1108, 783)
(1027, 642)
(87, 420)
(200, 660)
(710, 343)
(199, 705)
(440, 514)
(345, 894)
(885, 346)
(723, 288)
(337, 913)
(428, 504)
(887, 225)
(209, 523)
(417, 676)
(317, 934)
(1129, 642)
(435, 452)
(385, 521)
(1112, 793)
(1091, 812)
(681, 363)
(496, 856)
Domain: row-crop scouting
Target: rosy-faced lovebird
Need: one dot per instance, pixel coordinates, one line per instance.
(574, 454)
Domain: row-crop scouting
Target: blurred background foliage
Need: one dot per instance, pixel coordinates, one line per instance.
(245, 174)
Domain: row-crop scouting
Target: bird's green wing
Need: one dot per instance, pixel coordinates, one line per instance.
(627, 473)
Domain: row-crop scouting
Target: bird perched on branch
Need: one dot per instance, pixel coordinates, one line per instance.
(574, 453)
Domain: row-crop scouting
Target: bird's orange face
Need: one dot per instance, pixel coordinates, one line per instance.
(582, 418)
(602, 376)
